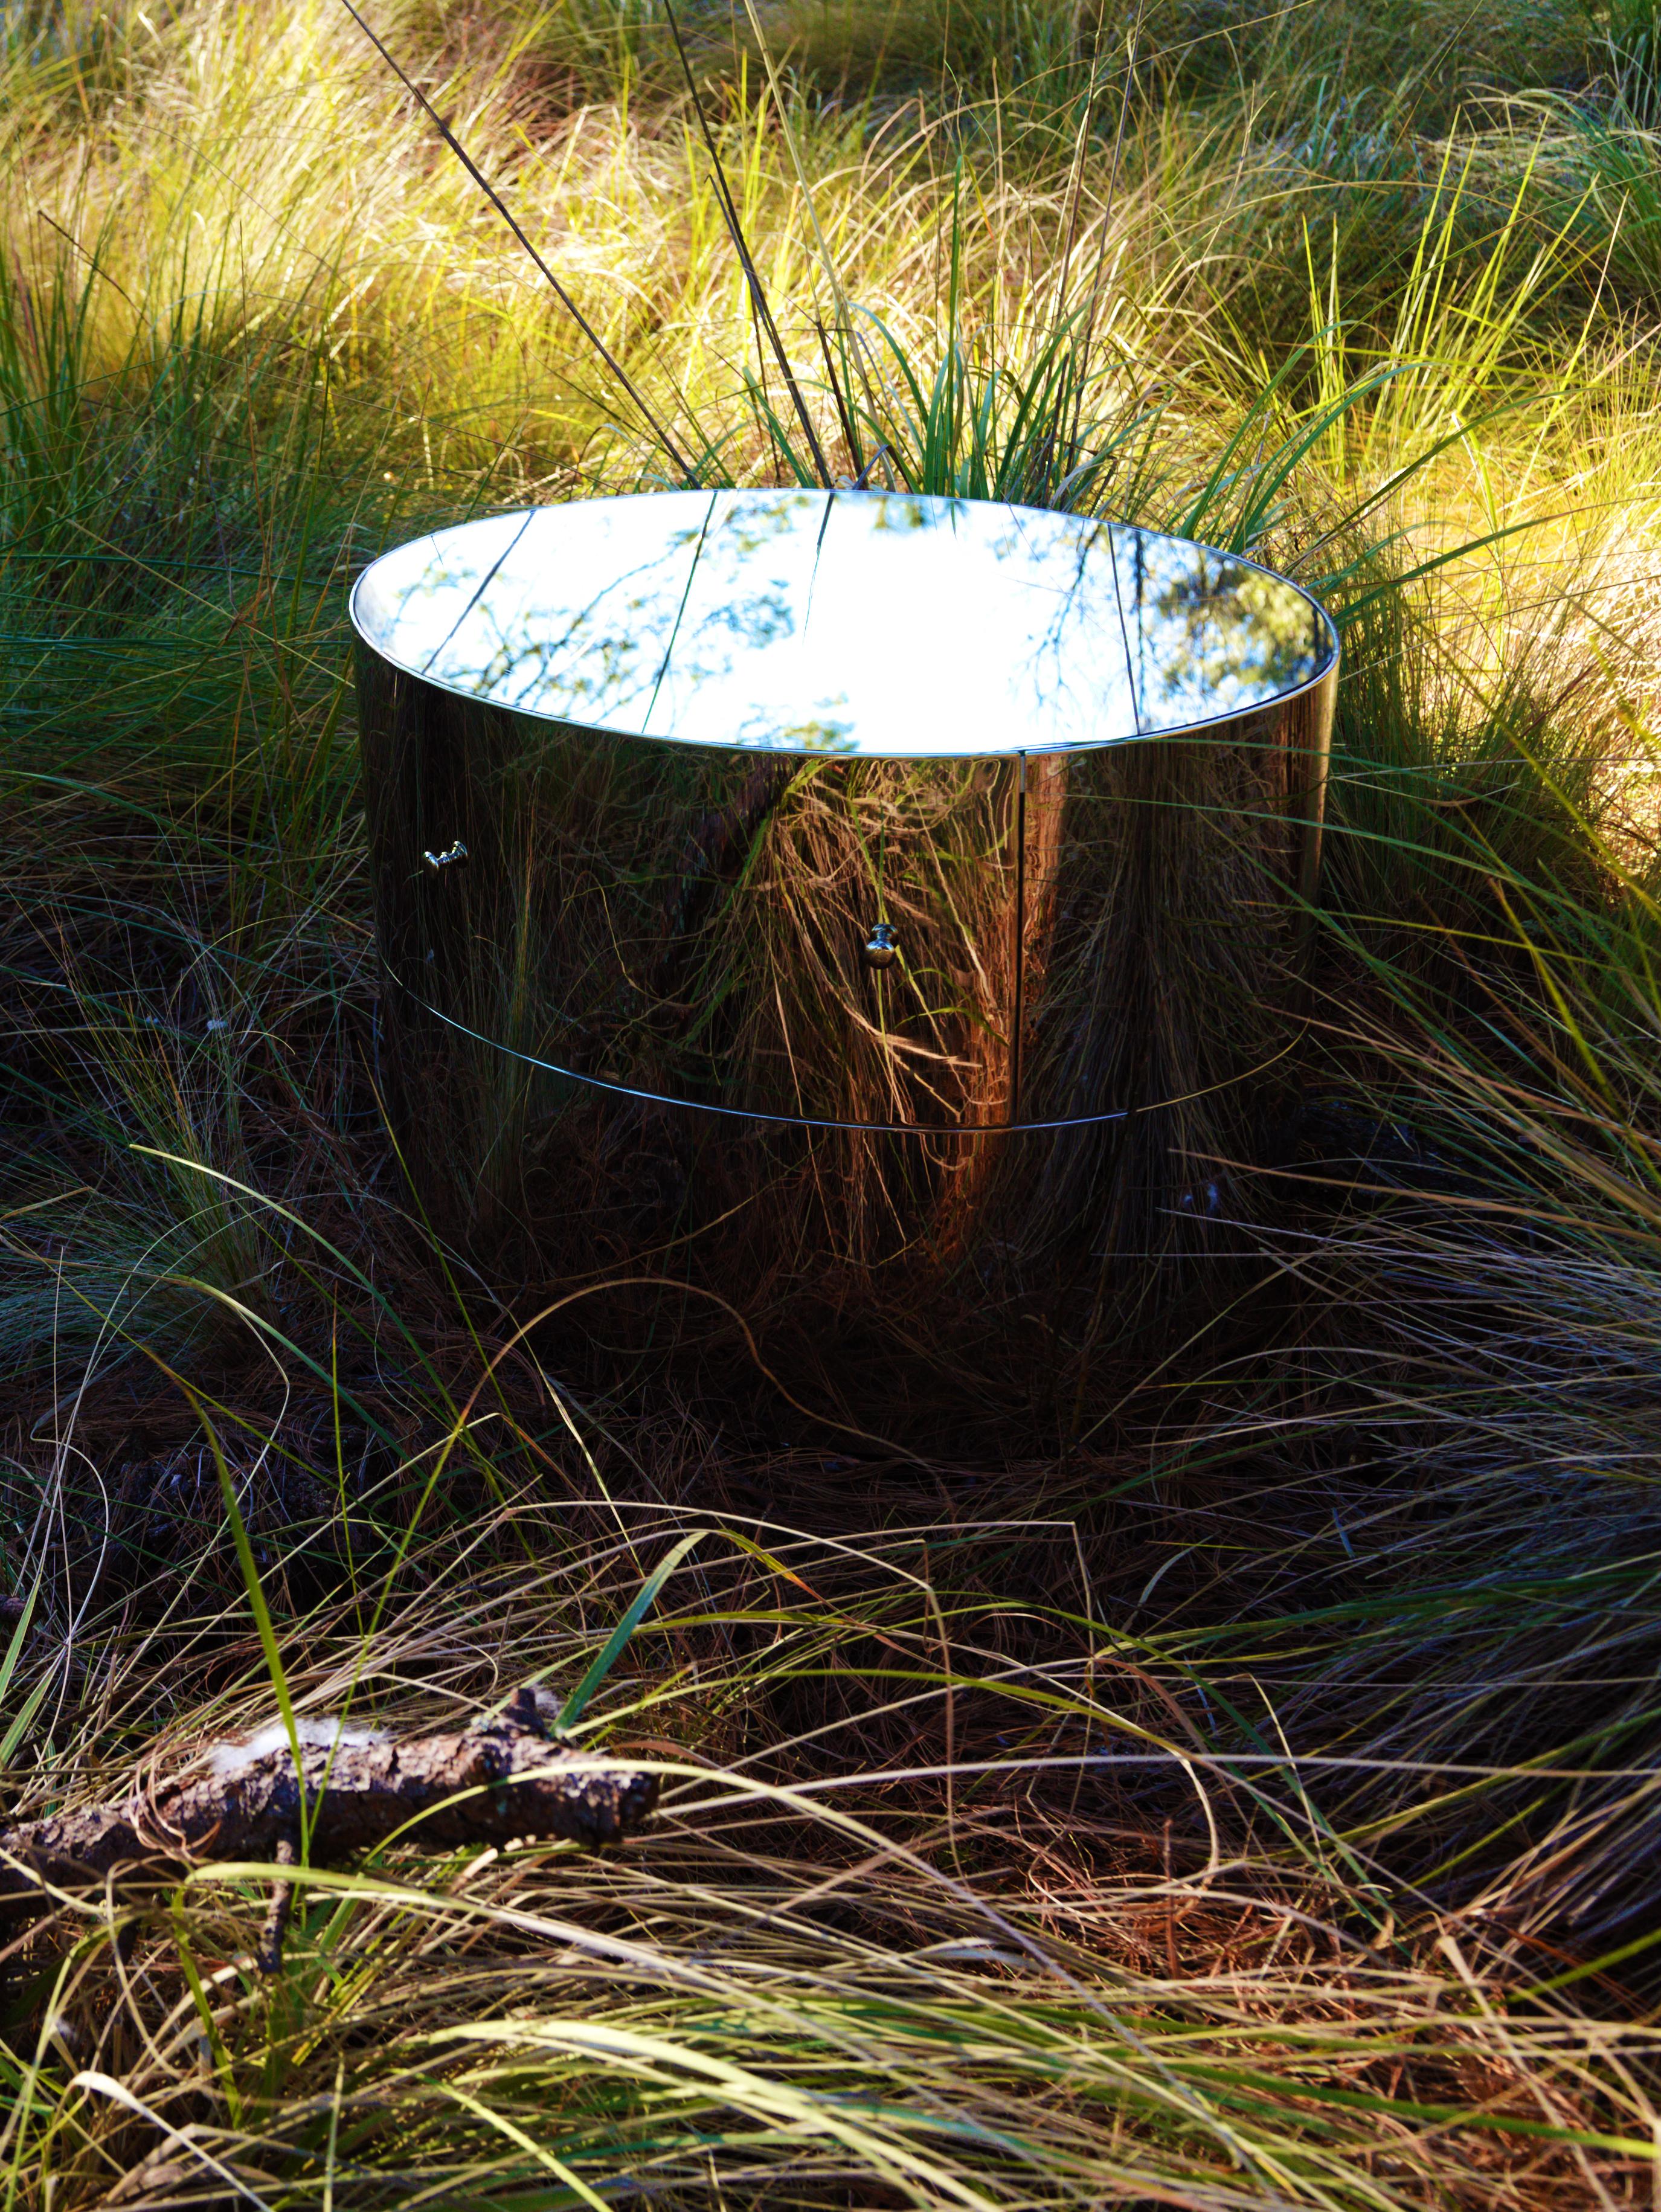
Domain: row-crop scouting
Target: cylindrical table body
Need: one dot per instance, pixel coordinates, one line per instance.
(901, 1045)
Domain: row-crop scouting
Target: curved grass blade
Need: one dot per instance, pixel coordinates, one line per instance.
(571, 1711)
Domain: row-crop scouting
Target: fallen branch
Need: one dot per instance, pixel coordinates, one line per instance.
(487, 1786)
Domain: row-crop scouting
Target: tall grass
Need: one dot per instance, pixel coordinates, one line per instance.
(1251, 1803)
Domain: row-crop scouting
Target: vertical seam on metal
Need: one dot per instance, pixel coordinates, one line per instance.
(1020, 943)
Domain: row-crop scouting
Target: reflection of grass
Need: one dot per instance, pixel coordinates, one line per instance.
(1251, 1803)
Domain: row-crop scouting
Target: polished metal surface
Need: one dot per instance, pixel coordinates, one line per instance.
(878, 831)
(882, 947)
(865, 625)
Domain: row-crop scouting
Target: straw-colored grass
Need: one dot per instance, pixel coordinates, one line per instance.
(1235, 1787)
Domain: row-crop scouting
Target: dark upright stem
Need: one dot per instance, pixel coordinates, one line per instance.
(1020, 943)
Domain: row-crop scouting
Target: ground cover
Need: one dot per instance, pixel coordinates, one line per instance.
(1244, 1797)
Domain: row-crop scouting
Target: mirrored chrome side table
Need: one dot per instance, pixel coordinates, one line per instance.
(881, 901)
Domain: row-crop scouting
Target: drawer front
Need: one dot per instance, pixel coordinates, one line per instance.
(926, 944)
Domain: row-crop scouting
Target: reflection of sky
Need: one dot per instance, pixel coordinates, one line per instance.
(852, 623)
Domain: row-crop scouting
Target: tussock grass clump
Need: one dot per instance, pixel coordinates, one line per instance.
(1227, 1782)
(817, 1977)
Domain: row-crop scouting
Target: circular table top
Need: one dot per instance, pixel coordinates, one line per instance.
(881, 624)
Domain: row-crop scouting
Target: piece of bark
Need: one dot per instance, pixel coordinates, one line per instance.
(250, 1809)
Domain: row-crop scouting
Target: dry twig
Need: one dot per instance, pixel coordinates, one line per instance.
(486, 1785)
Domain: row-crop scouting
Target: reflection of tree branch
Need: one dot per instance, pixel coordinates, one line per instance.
(720, 841)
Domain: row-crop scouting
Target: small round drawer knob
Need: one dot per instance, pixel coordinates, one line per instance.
(882, 947)
(455, 857)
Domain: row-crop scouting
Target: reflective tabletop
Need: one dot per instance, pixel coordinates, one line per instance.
(876, 624)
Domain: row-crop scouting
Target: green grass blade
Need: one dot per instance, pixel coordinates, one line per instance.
(571, 1711)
